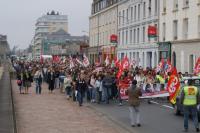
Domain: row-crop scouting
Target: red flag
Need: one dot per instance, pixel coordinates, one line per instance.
(86, 62)
(173, 86)
(168, 67)
(125, 63)
(197, 67)
(56, 58)
(41, 59)
(160, 65)
(119, 73)
(117, 62)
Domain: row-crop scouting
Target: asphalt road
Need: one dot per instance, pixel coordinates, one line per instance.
(155, 118)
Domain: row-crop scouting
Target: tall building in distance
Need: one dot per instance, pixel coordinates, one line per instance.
(135, 17)
(180, 28)
(4, 46)
(103, 25)
(47, 24)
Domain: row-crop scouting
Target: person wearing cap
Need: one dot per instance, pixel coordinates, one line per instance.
(134, 102)
(190, 100)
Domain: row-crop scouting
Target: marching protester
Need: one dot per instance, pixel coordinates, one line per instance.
(68, 85)
(107, 84)
(51, 80)
(99, 88)
(61, 80)
(38, 80)
(27, 79)
(134, 102)
(57, 73)
(81, 87)
(20, 81)
(92, 89)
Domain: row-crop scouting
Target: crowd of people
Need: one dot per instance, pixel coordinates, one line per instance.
(102, 81)
(97, 84)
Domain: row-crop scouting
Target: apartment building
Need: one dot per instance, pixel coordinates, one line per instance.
(180, 26)
(135, 18)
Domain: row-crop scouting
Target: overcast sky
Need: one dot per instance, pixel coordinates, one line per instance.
(18, 17)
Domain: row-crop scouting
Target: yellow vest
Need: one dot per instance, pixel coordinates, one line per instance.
(190, 95)
(161, 79)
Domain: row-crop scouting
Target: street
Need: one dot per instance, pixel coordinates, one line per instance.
(154, 118)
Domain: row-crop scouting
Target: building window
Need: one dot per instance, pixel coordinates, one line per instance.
(130, 55)
(126, 37)
(164, 6)
(134, 36)
(119, 18)
(156, 38)
(185, 3)
(198, 3)
(131, 13)
(175, 29)
(127, 15)
(138, 35)
(144, 9)
(149, 8)
(123, 15)
(131, 36)
(119, 38)
(138, 11)
(143, 37)
(122, 37)
(191, 63)
(199, 25)
(164, 31)
(185, 28)
(175, 4)
(174, 59)
(135, 11)
(156, 7)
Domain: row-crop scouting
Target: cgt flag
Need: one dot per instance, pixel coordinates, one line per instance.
(160, 66)
(173, 86)
(125, 63)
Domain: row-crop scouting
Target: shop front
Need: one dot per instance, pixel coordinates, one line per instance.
(109, 51)
(164, 50)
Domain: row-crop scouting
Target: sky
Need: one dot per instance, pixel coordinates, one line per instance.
(18, 17)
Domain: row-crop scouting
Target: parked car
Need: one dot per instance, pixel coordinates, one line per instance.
(178, 107)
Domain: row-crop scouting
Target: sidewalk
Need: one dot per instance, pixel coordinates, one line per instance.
(6, 108)
(52, 113)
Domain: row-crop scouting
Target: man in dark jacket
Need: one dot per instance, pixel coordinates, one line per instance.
(107, 85)
(81, 87)
(134, 102)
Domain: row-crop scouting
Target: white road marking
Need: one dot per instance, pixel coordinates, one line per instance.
(167, 106)
(154, 102)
